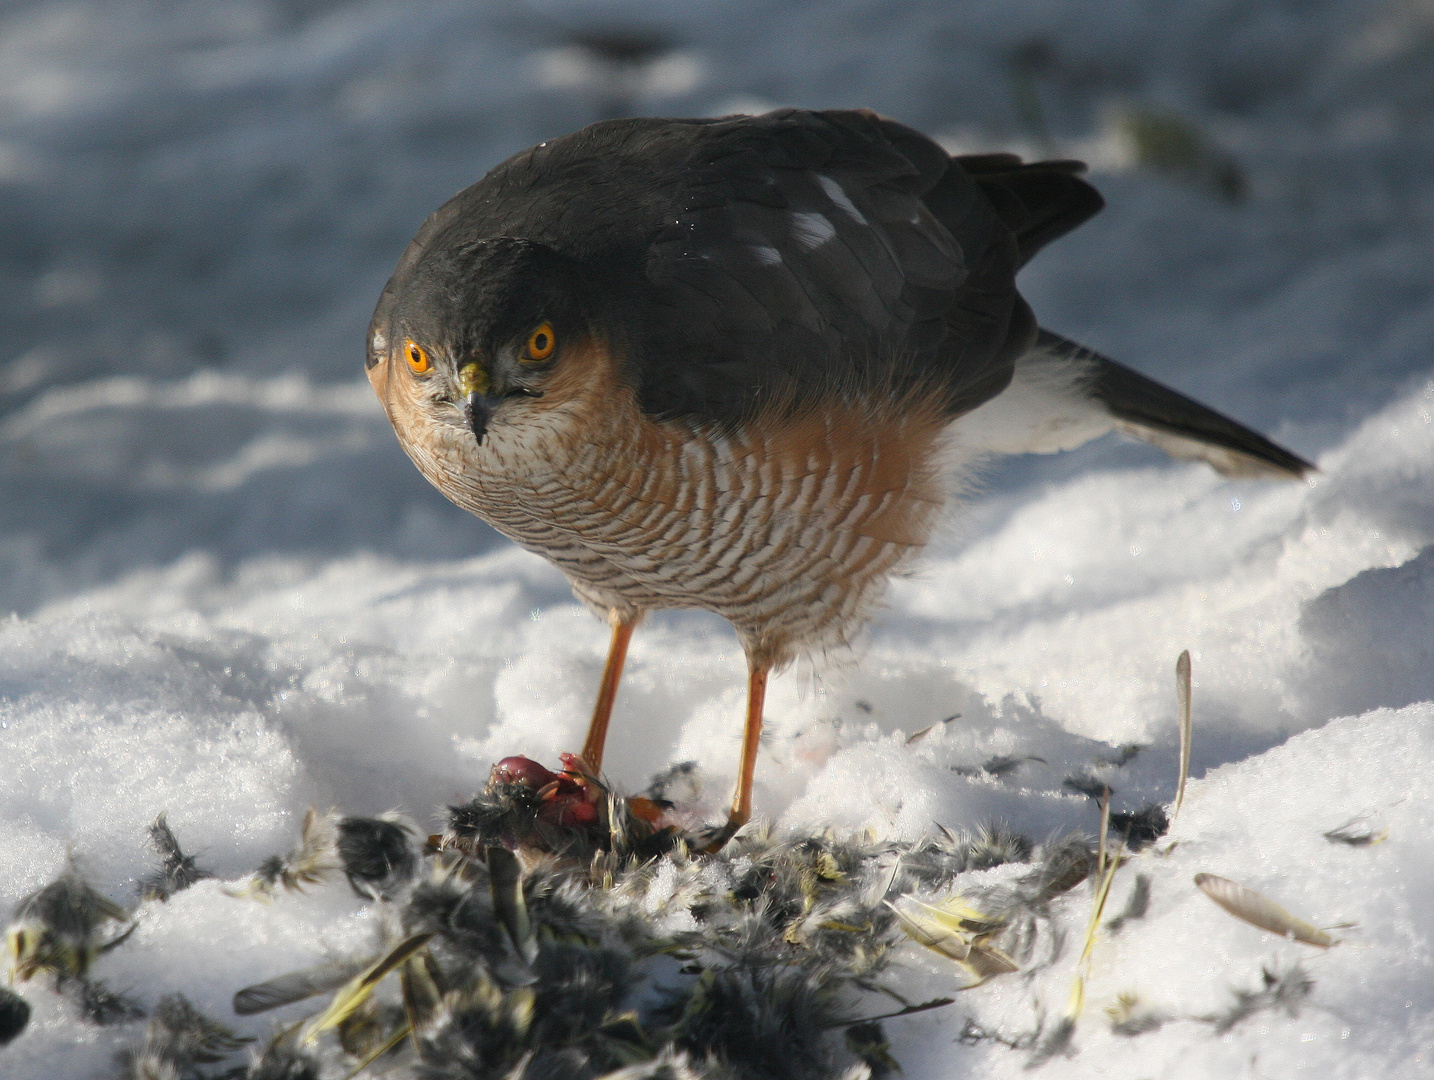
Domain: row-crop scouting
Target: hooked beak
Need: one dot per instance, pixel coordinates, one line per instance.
(479, 402)
(477, 408)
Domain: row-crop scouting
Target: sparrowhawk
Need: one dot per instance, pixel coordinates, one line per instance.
(735, 364)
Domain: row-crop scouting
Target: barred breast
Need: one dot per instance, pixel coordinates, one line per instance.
(788, 527)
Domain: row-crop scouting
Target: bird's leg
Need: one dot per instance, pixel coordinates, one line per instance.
(751, 737)
(607, 691)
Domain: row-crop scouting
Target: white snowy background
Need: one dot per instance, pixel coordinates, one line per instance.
(233, 597)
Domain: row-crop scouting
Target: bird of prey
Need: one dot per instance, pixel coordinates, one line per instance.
(735, 364)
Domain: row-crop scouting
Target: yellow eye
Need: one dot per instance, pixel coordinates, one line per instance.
(417, 358)
(541, 343)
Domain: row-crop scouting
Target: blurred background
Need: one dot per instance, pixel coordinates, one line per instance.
(200, 200)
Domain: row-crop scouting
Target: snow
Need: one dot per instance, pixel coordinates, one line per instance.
(1369, 1011)
(233, 598)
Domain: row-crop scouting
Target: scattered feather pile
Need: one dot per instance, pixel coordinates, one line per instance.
(555, 929)
(179, 1039)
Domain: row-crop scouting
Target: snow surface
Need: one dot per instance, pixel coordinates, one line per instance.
(233, 598)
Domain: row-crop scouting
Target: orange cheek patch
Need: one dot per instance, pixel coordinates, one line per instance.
(398, 398)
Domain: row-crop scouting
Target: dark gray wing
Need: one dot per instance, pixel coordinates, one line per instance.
(751, 262)
(802, 262)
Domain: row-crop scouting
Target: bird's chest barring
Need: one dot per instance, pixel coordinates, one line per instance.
(759, 533)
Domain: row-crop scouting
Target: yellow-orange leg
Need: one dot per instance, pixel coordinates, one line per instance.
(607, 692)
(751, 738)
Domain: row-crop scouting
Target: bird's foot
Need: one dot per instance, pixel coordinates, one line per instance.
(714, 839)
(570, 797)
(573, 813)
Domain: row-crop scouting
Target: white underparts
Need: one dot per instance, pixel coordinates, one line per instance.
(1046, 408)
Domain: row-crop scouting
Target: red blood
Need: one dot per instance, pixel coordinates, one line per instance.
(568, 798)
(521, 770)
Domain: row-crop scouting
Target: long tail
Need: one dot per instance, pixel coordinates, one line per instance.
(1063, 395)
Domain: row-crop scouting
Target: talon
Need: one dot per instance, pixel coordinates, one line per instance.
(720, 838)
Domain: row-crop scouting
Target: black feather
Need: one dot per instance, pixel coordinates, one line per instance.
(282, 1059)
(179, 1039)
(378, 855)
(1089, 785)
(294, 986)
(1066, 863)
(989, 845)
(176, 871)
(101, 1006)
(1142, 827)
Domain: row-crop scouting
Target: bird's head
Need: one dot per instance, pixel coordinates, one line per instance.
(479, 330)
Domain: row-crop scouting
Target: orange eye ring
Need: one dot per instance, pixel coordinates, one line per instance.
(541, 343)
(417, 358)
